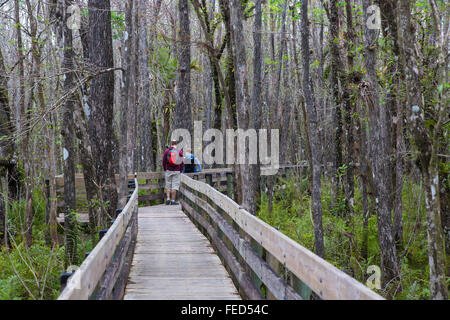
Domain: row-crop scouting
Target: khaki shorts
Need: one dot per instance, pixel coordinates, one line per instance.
(173, 180)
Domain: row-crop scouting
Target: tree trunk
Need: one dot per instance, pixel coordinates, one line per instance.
(34, 84)
(337, 121)
(242, 98)
(298, 74)
(313, 136)
(389, 27)
(126, 149)
(147, 162)
(436, 253)
(379, 156)
(183, 113)
(6, 144)
(130, 71)
(101, 101)
(22, 128)
(70, 223)
(427, 146)
(3, 216)
(52, 214)
(282, 106)
(254, 179)
(93, 193)
(230, 81)
(350, 108)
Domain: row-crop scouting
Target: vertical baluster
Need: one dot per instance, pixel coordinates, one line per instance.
(230, 184)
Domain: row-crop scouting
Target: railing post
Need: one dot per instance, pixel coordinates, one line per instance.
(131, 184)
(263, 184)
(47, 209)
(230, 185)
(101, 234)
(64, 278)
(208, 177)
(47, 204)
(288, 173)
(118, 211)
(149, 191)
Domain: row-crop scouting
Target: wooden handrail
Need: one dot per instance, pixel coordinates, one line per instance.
(85, 281)
(160, 175)
(103, 273)
(327, 281)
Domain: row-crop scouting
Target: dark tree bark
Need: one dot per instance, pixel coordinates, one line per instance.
(70, 223)
(93, 194)
(23, 124)
(242, 97)
(298, 75)
(131, 92)
(6, 143)
(334, 78)
(379, 159)
(350, 108)
(255, 111)
(102, 100)
(230, 67)
(313, 135)
(230, 81)
(36, 97)
(221, 89)
(208, 80)
(136, 112)
(3, 217)
(389, 27)
(21, 73)
(84, 35)
(126, 108)
(183, 112)
(283, 106)
(213, 54)
(147, 163)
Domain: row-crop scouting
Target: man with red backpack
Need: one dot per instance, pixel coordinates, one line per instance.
(173, 165)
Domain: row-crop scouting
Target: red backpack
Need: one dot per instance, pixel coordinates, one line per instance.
(172, 157)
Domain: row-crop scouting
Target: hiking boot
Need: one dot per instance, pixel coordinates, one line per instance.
(174, 203)
(167, 202)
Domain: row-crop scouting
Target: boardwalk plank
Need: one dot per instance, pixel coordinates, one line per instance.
(174, 261)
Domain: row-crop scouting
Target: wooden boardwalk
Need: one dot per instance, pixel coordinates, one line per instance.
(174, 261)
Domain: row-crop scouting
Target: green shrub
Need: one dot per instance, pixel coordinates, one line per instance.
(342, 232)
(34, 272)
